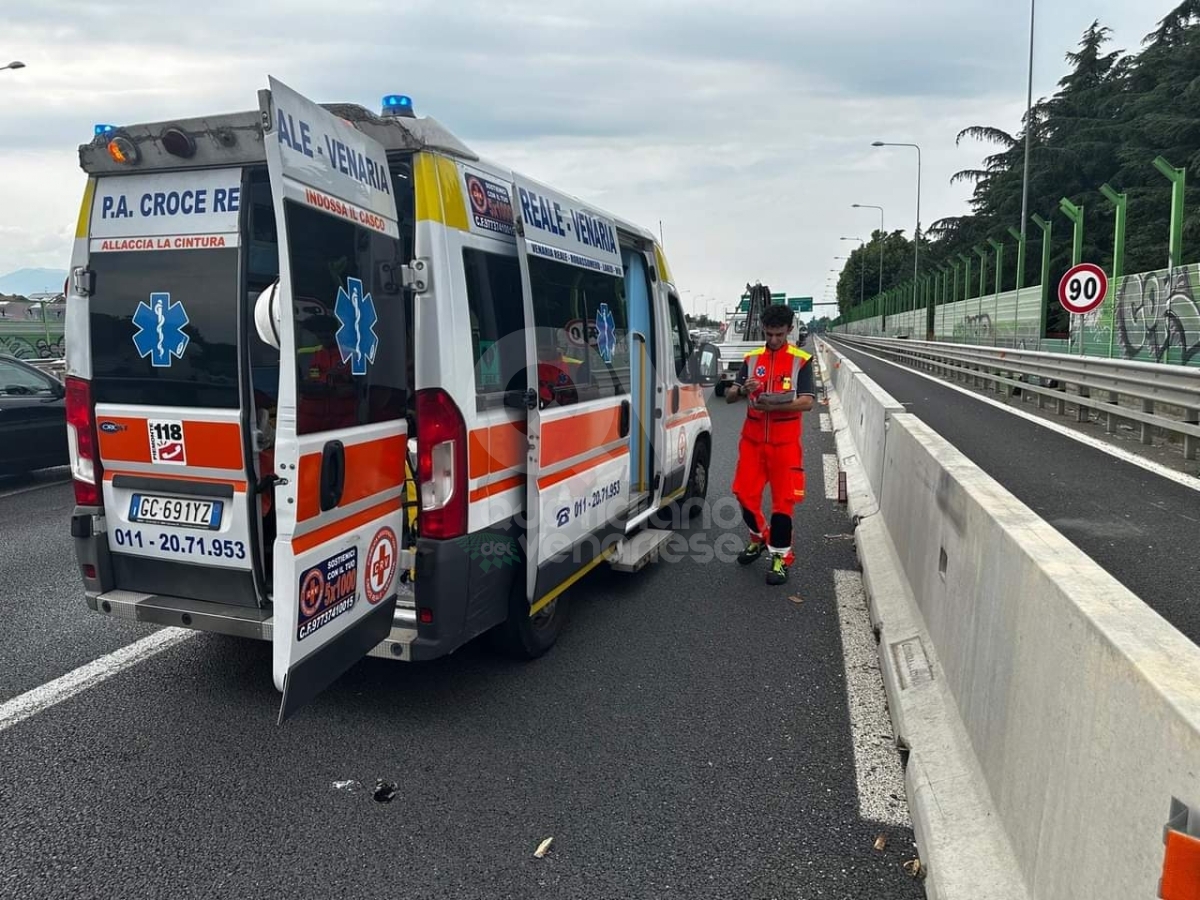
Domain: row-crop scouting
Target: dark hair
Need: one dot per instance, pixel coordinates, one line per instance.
(777, 314)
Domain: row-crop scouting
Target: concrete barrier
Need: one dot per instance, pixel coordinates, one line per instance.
(1028, 682)
(868, 408)
(860, 496)
(863, 408)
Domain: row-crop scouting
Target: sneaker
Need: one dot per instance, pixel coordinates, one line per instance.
(753, 551)
(779, 572)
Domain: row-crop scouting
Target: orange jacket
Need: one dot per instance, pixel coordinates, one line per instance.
(785, 369)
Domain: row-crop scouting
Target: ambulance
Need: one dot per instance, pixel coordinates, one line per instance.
(337, 383)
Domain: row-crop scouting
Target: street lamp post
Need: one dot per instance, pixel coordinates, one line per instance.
(881, 234)
(1028, 130)
(15, 64)
(917, 230)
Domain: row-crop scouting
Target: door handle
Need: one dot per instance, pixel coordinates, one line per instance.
(674, 399)
(626, 410)
(333, 474)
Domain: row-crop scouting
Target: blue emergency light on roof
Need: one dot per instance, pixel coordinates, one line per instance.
(398, 105)
(105, 129)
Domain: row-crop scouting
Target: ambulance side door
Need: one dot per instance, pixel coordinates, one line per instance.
(684, 402)
(579, 399)
(341, 432)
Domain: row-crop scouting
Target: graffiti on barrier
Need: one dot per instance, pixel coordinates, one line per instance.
(1157, 311)
(978, 327)
(32, 346)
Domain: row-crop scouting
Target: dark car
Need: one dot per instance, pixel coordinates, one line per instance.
(33, 418)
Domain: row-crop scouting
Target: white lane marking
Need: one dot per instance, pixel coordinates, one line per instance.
(826, 423)
(829, 463)
(41, 486)
(20, 708)
(1188, 481)
(877, 770)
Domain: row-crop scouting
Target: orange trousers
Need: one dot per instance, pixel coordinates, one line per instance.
(781, 466)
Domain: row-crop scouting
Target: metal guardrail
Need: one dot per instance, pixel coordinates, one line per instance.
(55, 367)
(1150, 384)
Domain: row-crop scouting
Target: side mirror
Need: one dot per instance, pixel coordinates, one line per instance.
(266, 315)
(704, 365)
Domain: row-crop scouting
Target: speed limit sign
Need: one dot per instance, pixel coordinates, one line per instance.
(1083, 288)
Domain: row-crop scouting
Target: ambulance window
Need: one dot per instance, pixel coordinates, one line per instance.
(196, 292)
(680, 339)
(569, 305)
(263, 251)
(497, 320)
(338, 383)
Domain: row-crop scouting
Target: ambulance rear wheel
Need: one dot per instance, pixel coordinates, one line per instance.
(523, 636)
(720, 388)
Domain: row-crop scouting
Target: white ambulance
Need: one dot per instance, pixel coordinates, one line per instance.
(337, 383)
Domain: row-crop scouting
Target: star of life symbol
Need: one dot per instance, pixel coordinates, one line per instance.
(159, 332)
(606, 333)
(356, 338)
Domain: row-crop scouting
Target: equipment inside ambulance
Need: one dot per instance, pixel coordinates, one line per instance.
(336, 383)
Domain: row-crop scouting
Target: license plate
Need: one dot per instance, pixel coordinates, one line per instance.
(176, 511)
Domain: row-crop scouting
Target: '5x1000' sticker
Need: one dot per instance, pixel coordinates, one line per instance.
(328, 590)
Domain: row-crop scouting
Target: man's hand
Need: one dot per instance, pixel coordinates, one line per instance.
(803, 403)
(751, 386)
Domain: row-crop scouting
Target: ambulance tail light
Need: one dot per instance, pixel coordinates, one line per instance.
(81, 441)
(441, 465)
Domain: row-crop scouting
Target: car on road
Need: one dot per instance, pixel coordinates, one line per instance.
(33, 418)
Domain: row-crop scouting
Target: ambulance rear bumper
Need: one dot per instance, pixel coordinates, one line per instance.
(237, 621)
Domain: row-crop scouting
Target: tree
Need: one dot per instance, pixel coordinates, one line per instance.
(1111, 115)
(860, 273)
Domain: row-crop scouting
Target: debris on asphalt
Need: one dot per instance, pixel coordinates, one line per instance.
(350, 785)
(838, 537)
(543, 847)
(384, 791)
(913, 868)
(881, 841)
(796, 598)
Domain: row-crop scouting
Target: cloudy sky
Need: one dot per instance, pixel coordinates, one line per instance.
(745, 127)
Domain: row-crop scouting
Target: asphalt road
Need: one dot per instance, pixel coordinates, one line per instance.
(1143, 529)
(47, 630)
(690, 736)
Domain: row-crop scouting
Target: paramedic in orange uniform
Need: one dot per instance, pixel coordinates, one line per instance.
(770, 450)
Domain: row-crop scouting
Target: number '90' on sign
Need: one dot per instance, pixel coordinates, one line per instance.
(1083, 288)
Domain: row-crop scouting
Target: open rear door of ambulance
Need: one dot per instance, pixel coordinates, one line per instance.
(578, 395)
(341, 429)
